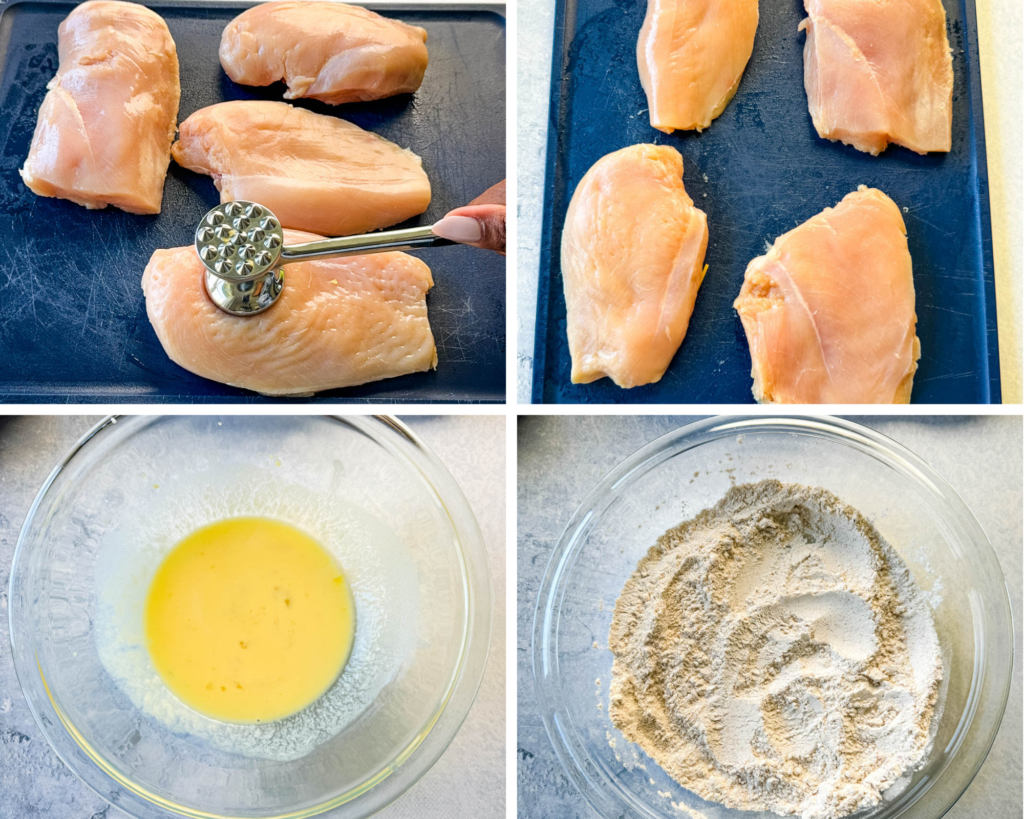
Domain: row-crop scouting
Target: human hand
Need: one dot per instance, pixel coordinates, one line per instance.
(481, 223)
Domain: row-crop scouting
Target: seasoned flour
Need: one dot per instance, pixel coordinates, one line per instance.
(775, 654)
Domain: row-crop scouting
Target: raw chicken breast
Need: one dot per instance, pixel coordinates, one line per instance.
(314, 172)
(338, 322)
(632, 261)
(328, 51)
(105, 128)
(879, 71)
(691, 55)
(829, 310)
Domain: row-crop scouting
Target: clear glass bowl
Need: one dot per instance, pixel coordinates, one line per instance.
(690, 469)
(131, 759)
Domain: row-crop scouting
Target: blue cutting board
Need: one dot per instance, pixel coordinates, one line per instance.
(758, 171)
(73, 324)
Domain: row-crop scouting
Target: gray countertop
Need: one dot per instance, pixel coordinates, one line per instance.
(468, 779)
(561, 458)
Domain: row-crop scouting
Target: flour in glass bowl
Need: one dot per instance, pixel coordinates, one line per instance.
(774, 653)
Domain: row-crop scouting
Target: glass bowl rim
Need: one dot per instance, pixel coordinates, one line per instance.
(400, 773)
(603, 796)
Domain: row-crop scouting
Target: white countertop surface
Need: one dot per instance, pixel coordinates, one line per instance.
(999, 33)
(468, 779)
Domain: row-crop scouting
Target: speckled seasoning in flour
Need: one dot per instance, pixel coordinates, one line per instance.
(775, 654)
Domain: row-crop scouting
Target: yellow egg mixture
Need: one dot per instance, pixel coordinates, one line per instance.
(249, 620)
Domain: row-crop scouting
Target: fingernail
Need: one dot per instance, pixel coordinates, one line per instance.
(458, 229)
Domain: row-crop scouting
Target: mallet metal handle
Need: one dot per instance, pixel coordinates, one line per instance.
(407, 239)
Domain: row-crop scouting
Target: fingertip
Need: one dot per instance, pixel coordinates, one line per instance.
(462, 229)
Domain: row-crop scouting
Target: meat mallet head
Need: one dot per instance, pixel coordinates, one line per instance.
(240, 244)
(239, 241)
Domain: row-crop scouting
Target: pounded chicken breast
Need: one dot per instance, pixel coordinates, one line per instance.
(691, 55)
(829, 309)
(879, 71)
(632, 261)
(337, 323)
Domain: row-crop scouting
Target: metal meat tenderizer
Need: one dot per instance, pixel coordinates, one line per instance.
(242, 246)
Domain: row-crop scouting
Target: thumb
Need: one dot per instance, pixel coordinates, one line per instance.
(478, 225)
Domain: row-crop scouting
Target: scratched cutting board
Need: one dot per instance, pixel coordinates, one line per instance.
(758, 171)
(73, 323)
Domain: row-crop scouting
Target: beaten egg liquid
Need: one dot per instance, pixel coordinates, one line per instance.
(249, 620)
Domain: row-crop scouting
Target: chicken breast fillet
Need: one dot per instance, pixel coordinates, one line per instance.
(829, 310)
(632, 261)
(105, 128)
(691, 55)
(879, 71)
(328, 51)
(337, 323)
(316, 173)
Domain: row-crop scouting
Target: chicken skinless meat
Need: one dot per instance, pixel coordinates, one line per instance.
(691, 55)
(328, 51)
(632, 261)
(104, 132)
(337, 323)
(315, 172)
(829, 310)
(879, 71)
